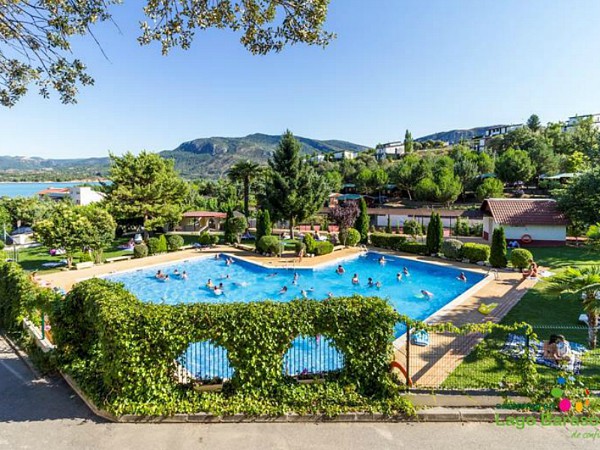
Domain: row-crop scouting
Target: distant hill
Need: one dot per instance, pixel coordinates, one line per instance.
(455, 136)
(212, 157)
(24, 163)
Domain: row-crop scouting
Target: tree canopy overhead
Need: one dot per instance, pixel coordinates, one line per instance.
(35, 36)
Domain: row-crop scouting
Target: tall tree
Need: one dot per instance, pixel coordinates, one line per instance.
(244, 172)
(580, 199)
(145, 187)
(584, 284)
(35, 36)
(435, 234)
(498, 250)
(515, 165)
(102, 232)
(294, 191)
(408, 142)
(362, 222)
(533, 123)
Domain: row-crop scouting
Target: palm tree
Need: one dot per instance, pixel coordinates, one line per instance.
(244, 172)
(586, 283)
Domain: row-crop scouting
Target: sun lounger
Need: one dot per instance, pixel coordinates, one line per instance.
(420, 338)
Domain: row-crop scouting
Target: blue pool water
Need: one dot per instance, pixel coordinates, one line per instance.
(244, 282)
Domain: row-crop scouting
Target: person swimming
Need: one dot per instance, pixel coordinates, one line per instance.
(217, 291)
(382, 260)
(217, 256)
(330, 294)
(274, 274)
(176, 273)
(355, 279)
(399, 276)
(370, 282)
(209, 283)
(304, 293)
(283, 290)
(159, 275)
(405, 271)
(224, 277)
(462, 277)
(340, 270)
(184, 275)
(165, 278)
(295, 281)
(378, 285)
(426, 293)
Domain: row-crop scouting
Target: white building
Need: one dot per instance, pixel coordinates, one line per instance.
(572, 121)
(499, 130)
(317, 158)
(530, 222)
(80, 195)
(391, 149)
(346, 154)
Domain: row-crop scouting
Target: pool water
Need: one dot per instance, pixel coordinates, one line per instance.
(244, 282)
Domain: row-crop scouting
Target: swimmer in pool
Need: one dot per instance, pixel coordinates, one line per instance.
(330, 294)
(405, 271)
(184, 275)
(283, 290)
(378, 285)
(176, 273)
(355, 279)
(159, 275)
(217, 256)
(272, 275)
(295, 281)
(340, 270)
(303, 293)
(370, 282)
(166, 278)
(209, 283)
(217, 291)
(426, 293)
(382, 260)
(399, 276)
(462, 277)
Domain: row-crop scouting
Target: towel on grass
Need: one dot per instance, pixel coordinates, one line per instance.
(515, 347)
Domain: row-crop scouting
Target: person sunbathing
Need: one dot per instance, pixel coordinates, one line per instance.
(532, 272)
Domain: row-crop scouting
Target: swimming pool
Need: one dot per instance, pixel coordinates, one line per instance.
(244, 282)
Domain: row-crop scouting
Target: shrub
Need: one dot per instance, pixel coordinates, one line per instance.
(353, 237)
(475, 252)
(520, 258)
(323, 248)
(162, 244)
(414, 247)
(413, 228)
(153, 246)
(268, 244)
(2, 245)
(451, 248)
(205, 238)
(85, 257)
(389, 241)
(310, 242)
(462, 227)
(498, 250)
(435, 234)
(140, 250)
(174, 242)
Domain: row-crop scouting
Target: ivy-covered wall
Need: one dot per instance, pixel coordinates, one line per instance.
(123, 350)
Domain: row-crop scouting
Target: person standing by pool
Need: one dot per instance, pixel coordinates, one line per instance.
(462, 277)
(340, 270)
(355, 279)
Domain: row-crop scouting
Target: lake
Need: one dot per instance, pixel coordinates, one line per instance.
(30, 189)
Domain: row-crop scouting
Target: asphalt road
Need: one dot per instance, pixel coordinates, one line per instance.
(44, 414)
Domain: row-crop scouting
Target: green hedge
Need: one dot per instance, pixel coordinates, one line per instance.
(475, 252)
(122, 350)
(322, 248)
(398, 243)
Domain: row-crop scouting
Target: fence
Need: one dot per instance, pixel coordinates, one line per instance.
(445, 360)
(209, 363)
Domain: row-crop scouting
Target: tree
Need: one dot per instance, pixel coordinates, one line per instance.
(435, 234)
(263, 224)
(407, 173)
(102, 231)
(585, 284)
(498, 250)
(490, 188)
(580, 199)
(35, 37)
(362, 222)
(145, 187)
(449, 188)
(334, 180)
(344, 216)
(5, 222)
(408, 142)
(65, 228)
(244, 172)
(575, 162)
(363, 181)
(427, 190)
(543, 158)
(514, 165)
(533, 123)
(294, 191)
(593, 237)
(585, 138)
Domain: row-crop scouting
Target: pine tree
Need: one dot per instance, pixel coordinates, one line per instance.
(435, 234)
(408, 142)
(498, 250)
(362, 222)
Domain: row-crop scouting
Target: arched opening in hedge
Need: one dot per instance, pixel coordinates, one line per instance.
(312, 355)
(205, 362)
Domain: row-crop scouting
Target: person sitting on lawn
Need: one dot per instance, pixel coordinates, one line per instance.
(557, 348)
(532, 272)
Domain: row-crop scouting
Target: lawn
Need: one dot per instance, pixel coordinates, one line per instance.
(547, 314)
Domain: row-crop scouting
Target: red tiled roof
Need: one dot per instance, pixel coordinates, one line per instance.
(54, 191)
(520, 212)
(211, 214)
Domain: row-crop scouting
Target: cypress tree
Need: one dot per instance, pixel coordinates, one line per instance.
(266, 220)
(260, 229)
(435, 234)
(388, 228)
(498, 250)
(227, 228)
(362, 222)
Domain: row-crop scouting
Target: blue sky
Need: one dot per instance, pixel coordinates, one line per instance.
(396, 64)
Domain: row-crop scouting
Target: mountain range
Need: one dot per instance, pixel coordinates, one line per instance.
(204, 157)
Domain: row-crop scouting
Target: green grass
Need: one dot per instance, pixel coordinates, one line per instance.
(486, 367)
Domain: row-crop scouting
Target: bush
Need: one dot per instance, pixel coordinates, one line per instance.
(475, 252)
(498, 250)
(268, 244)
(2, 245)
(263, 224)
(462, 227)
(162, 244)
(85, 257)
(520, 257)
(353, 237)
(174, 242)
(154, 246)
(299, 247)
(323, 248)
(414, 247)
(413, 228)
(205, 238)
(388, 227)
(451, 248)
(140, 250)
(310, 242)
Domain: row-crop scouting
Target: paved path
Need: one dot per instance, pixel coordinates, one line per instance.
(44, 414)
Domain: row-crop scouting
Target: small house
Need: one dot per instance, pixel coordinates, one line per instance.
(530, 222)
(201, 220)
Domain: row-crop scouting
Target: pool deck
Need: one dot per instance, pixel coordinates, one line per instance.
(429, 366)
